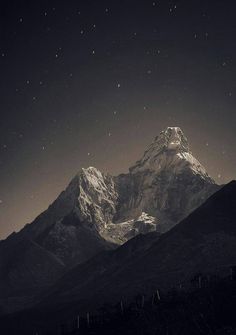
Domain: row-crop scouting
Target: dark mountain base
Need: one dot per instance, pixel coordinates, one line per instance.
(209, 308)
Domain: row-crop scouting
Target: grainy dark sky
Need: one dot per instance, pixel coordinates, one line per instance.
(91, 83)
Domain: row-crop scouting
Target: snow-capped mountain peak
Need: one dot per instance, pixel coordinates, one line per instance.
(169, 150)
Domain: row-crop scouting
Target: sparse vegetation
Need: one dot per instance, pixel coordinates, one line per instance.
(207, 307)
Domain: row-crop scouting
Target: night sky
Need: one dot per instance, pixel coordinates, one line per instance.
(91, 83)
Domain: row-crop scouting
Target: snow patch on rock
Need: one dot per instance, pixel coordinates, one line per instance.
(123, 231)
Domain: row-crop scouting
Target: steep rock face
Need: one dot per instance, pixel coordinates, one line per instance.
(75, 237)
(167, 182)
(65, 234)
(90, 194)
(97, 198)
(72, 241)
(80, 212)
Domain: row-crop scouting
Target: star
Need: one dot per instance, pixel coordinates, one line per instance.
(118, 85)
(88, 153)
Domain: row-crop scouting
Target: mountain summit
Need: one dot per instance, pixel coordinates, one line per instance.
(170, 150)
(170, 141)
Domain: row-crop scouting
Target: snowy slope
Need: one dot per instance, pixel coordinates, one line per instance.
(170, 150)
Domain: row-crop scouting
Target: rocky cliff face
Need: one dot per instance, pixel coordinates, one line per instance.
(71, 225)
(67, 233)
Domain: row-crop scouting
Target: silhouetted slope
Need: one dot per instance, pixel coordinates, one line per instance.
(25, 265)
(111, 261)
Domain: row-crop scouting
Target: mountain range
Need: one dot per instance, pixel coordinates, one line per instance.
(99, 215)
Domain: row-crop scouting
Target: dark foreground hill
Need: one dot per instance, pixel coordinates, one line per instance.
(207, 310)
